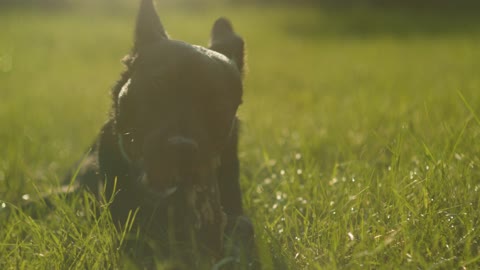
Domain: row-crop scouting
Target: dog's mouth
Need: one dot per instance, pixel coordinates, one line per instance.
(161, 193)
(196, 196)
(162, 166)
(166, 179)
(176, 172)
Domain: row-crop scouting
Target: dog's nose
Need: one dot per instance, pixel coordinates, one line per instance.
(183, 143)
(170, 160)
(182, 148)
(181, 151)
(173, 150)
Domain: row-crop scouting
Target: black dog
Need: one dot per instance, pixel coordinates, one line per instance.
(169, 148)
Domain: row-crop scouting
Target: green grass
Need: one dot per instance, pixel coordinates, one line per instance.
(359, 144)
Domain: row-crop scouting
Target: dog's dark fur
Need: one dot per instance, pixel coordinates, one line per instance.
(169, 148)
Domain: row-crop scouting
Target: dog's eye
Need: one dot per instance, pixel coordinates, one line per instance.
(128, 137)
(130, 144)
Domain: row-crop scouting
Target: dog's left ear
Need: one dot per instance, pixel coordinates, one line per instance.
(225, 41)
(149, 28)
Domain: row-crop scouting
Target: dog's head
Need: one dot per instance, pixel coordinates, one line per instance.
(176, 108)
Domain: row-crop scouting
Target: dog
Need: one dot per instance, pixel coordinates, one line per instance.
(169, 147)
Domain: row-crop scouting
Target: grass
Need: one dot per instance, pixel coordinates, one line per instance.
(359, 145)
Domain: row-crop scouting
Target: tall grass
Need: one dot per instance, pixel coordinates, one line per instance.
(359, 142)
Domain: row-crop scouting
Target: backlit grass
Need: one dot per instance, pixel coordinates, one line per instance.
(359, 142)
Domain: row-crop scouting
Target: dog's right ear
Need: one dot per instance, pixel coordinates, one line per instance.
(148, 28)
(225, 41)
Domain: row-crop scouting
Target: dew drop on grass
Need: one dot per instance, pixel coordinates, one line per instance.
(282, 172)
(26, 197)
(333, 181)
(302, 200)
(299, 172)
(298, 156)
(4, 205)
(409, 258)
(351, 236)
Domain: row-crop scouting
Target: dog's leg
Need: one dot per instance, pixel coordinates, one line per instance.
(239, 233)
(84, 174)
(229, 185)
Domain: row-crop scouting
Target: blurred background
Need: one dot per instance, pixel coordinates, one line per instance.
(410, 3)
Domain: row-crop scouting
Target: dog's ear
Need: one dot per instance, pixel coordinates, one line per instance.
(149, 28)
(225, 41)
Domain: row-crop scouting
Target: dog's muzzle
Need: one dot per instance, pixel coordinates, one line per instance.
(167, 164)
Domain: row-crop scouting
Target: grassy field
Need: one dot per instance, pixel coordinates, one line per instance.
(360, 140)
